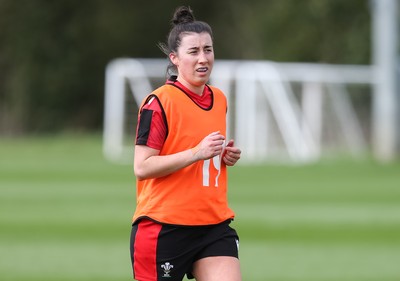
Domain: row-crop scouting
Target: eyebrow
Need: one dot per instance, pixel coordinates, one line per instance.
(196, 48)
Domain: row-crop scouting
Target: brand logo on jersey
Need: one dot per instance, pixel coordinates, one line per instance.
(167, 269)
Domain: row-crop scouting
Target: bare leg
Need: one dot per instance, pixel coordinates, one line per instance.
(217, 269)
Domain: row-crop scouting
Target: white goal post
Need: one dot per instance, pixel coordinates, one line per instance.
(276, 111)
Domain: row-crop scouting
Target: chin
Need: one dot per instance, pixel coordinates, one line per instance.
(203, 80)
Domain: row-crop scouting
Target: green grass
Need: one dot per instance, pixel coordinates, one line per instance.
(65, 215)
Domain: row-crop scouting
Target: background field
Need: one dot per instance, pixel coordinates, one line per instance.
(65, 215)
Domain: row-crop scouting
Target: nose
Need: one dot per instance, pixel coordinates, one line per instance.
(203, 57)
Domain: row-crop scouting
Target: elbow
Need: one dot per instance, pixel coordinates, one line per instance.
(139, 173)
(142, 173)
(139, 177)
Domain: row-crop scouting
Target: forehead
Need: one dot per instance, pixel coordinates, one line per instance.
(192, 39)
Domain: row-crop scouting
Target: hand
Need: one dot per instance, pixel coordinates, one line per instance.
(231, 154)
(209, 147)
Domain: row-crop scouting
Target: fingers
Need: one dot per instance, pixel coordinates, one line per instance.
(216, 136)
(213, 145)
(230, 143)
(232, 154)
(216, 141)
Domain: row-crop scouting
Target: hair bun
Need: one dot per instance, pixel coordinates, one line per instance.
(183, 15)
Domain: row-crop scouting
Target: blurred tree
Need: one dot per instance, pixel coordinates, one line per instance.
(53, 54)
(332, 31)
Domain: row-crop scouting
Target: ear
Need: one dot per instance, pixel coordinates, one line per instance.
(174, 58)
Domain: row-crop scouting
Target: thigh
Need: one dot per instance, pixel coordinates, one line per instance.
(219, 259)
(220, 268)
(161, 252)
(220, 240)
(144, 240)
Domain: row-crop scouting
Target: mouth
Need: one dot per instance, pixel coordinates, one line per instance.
(202, 69)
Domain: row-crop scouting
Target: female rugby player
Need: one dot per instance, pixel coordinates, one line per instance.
(182, 220)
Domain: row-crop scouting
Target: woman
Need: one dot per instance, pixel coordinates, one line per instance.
(181, 222)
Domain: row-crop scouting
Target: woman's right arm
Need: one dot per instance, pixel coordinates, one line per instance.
(149, 164)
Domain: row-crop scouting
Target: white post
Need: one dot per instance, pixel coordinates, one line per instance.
(114, 107)
(312, 107)
(246, 119)
(386, 115)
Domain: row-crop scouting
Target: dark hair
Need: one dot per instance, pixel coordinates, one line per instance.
(183, 21)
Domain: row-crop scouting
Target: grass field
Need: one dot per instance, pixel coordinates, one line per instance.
(65, 215)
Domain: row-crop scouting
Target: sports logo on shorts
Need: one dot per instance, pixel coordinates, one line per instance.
(167, 269)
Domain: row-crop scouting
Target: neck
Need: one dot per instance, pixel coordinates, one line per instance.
(198, 90)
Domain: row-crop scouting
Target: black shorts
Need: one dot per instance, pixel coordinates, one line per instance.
(167, 252)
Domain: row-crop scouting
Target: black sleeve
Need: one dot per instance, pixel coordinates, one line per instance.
(144, 126)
